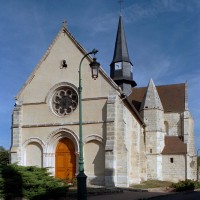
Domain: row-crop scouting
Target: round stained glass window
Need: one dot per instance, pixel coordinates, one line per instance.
(64, 101)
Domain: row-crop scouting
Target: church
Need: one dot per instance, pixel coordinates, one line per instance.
(130, 133)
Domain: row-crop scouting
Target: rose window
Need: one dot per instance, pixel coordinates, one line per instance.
(65, 101)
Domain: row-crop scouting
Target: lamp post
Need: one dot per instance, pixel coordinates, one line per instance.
(197, 165)
(81, 177)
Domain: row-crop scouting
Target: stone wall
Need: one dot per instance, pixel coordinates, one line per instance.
(191, 167)
(137, 166)
(110, 156)
(175, 123)
(143, 157)
(155, 133)
(174, 167)
(188, 129)
(130, 147)
(154, 167)
(122, 148)
(94, 159)
(124, 151)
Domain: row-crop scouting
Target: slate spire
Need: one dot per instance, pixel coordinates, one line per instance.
(121, 66)
(121, 50)
(152, 99)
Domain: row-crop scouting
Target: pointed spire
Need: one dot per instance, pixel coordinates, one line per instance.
(121, 66)
(121, 50)
(152, 99)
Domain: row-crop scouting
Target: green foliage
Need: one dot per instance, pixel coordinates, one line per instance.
(198, 161)
(29, 182)
(184, 185)
(74, 182)
(4, 156)
(1, 186)
(197, 184)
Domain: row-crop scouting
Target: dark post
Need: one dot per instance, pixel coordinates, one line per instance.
(81, 177)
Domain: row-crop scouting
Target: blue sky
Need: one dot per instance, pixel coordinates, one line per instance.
(163, 38)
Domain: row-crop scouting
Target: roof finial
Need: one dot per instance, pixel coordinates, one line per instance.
(120, 3)
(64, 24)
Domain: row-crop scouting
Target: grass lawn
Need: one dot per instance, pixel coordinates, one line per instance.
(152, 184)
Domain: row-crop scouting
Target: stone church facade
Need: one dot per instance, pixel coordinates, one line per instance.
(130, 134)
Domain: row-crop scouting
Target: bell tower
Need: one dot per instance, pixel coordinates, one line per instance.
(121, 66)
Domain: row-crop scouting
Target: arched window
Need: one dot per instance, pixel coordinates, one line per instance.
(94, 158)
(34, 154)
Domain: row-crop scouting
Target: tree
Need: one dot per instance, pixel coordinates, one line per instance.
(198, 161)
(4, 156)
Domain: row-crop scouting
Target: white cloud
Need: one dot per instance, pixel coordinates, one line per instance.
(138, 11)
(104, 23)
(156, 68)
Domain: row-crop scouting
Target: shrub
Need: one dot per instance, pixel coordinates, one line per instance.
(30, 182)
(1, 186)
(197, 184)
(74, 182)
(4, 156)
(184, 185)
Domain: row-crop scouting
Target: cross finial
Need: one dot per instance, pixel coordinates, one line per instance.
(64, 24)
(120, 3)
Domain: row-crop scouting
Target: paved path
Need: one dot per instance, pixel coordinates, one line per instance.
(153, 194)
(128, 195)
(195, 195)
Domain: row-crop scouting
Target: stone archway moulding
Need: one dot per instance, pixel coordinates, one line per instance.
(58, 134)
(51, 144)
(26, 143)
(93, 138)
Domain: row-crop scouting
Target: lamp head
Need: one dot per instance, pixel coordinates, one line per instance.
(94, 68)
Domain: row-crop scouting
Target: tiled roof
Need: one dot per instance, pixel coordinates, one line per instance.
(171, 96)
(174, 145)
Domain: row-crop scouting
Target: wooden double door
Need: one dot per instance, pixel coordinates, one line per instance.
(65, 160)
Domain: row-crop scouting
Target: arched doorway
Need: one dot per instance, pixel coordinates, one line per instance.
(65, 160)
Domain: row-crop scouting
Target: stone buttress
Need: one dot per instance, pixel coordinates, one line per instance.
(15, 151)
(188, 132)
(153, 115)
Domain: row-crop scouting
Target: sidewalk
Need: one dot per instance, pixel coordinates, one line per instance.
(126, 194)
(130, 195)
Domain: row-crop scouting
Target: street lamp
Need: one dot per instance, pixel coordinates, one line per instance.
(81, 177)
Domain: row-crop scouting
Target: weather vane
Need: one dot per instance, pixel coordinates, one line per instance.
(120, 3)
